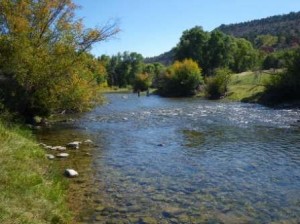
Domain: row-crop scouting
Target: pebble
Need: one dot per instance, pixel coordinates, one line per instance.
(49, 156)
(88, 141)
(71, 173)
(74, 145)
(59, 148)
(62, 155)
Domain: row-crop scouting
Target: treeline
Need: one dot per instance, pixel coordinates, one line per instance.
(44, 61)
(202, 61)
(128, 69)
(219, 55)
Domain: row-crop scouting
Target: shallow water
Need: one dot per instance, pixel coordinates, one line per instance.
(161, 160)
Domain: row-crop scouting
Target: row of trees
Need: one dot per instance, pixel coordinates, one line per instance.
(216, 50)
(44, 64)
(128, 69)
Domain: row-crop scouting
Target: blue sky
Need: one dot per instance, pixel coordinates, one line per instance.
(152, 27)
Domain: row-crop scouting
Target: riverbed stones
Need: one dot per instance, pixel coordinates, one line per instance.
(149, 220)
(74, 145)
(50, 156)
(88, 142)
(71, 173)
(59, 148)
(99, 208)
(62, 155)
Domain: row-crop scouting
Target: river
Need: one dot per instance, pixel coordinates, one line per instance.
(187, 160)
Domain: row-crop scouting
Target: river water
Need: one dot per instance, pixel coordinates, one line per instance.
(162, 160)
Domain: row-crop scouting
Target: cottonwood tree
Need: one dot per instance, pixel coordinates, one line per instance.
(42, 45)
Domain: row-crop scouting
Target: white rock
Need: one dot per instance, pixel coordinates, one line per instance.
(88, 141)
(71, 173)
(59, 148)
(62, 155)
(49, 156)
(74, 145)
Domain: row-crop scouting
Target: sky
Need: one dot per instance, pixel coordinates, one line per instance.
(152, 27)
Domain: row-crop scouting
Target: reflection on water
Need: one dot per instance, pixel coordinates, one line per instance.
(192, 161)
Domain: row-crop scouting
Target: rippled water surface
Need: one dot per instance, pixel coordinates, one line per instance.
(163, 160)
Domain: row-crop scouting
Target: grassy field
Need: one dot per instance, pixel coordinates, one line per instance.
(31, 191)
(247, 86)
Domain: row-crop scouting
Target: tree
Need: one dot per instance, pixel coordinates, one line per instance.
(123, 68)
(219, 51)
(142, 82)
(193, 44)
(286, 85)
(245, 56)
(42, 55)
(216, 50)
(181, 79)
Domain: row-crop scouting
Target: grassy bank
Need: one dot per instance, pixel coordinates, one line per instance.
(248, 86)
(31, 191)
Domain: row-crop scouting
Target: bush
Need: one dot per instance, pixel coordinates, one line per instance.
(216, 86)
(142, 82)
(180, 79)
(286, 85)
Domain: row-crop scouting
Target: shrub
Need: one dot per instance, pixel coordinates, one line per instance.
(216, 86)
(142, 82)
(286, 85)
(180, 79)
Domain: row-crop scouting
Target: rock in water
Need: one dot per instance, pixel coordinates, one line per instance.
(59, 148)
(88, 141)
(73, 145)
(71, 173)
(62, 155)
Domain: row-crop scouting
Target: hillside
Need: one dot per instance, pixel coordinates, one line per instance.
(164, 58)
(268, 34)
(285, 29)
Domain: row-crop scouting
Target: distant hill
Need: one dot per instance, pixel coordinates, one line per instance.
(165, 58)
(269, 34)
(286, 29)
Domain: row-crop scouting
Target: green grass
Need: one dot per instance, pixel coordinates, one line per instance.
(247, 86)
(31, 191)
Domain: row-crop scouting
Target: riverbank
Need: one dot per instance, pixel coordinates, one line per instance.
(32, 189)
(248, 86)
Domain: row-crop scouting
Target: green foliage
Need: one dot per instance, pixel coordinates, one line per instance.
(216, 49)
(268, 34)
(142, 82)
(180, 79)
(245, 57)
(217, 85)
(43, 59)
(286, 85)
(192, 45)
(123, 68)
(265, 41)
(157, 71)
